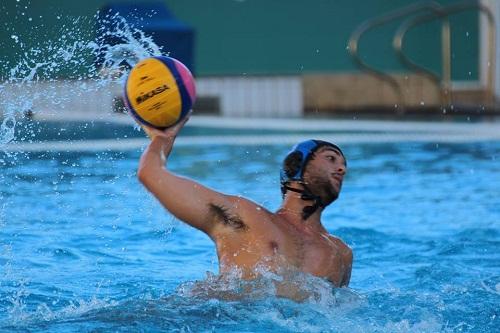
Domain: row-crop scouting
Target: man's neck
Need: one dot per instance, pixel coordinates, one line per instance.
(292, 211)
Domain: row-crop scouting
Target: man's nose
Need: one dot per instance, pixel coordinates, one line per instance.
(341, 170)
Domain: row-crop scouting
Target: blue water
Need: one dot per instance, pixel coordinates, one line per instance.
(84, 248)
(39, 131)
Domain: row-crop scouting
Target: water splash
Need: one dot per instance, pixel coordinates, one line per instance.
(219, 299)
(205, 306)
(291, 284)
(97, 62)
(20, 317)
(89, 62)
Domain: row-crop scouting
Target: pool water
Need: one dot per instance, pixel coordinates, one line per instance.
(83, 247)
(43, 131)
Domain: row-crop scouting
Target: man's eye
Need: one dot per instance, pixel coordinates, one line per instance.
(331, 158)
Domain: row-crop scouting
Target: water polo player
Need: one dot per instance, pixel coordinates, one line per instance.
(248, 236)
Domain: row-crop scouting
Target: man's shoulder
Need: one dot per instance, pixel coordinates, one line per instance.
(245, 205)
(254, 215)
(344, 249)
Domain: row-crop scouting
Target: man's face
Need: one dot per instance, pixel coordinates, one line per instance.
(324, 174)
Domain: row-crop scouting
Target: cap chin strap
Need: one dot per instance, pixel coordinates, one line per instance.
(306, 194)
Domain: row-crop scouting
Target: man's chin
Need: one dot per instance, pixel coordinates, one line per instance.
(331, 198)
(328, 193)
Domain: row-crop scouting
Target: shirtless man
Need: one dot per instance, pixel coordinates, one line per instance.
(247, 235)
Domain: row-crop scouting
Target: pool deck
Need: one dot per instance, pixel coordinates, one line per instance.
(358, 131)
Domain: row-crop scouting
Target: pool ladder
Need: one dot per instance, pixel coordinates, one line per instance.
(421, 13)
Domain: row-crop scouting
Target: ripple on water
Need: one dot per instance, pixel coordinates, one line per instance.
(425, 260)
(178, 313)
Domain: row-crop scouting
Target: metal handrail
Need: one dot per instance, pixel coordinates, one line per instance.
(445, 81)
(378, 21)
(445, 51)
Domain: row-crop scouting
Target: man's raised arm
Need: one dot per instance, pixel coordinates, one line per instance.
(185, 199)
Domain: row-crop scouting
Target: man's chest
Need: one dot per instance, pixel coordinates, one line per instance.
(280, 245)
(319, 255)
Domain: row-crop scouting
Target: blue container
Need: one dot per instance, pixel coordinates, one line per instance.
(174, 36)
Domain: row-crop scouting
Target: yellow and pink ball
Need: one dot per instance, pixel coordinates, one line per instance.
(159, 91)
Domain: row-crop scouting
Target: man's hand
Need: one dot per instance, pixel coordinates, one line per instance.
(170, 132)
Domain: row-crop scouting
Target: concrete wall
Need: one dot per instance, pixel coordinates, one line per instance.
(277, 96)
(253, 37)
(494, 6)
(255, 57)
(237, 96)
(60, 97)
(327, 92)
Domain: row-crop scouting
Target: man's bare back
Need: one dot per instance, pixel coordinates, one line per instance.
(248, 237)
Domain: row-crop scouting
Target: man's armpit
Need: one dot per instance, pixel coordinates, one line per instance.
(220, 214)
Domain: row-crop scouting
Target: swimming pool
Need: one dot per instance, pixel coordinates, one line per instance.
(83, 247)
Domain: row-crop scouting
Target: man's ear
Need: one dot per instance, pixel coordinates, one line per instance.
(292, 163)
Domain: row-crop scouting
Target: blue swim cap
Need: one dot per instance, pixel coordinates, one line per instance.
(293, 168)
(296, 160)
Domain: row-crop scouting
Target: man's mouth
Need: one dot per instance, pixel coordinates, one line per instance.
(336, 182)
(337, 178)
